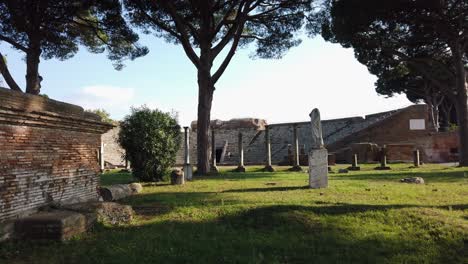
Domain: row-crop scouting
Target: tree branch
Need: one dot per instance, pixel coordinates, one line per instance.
(13, 43)
(229, 56)
(184, 38)
(7, 76)
(238, 21)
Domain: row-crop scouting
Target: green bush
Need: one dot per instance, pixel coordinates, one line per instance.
(151, 139)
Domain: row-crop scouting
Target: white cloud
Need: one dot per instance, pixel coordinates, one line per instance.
(116, 100)
(113, 94)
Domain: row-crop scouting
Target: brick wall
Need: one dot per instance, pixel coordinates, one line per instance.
(440, 147)
(48, 153)
(395, 132)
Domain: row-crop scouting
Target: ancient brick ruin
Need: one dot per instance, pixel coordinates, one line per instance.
(48, 153)
(402, 131)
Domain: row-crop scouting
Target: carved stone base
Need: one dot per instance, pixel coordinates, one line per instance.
(269, 168)
(383, 168)
(318, 168)
(296, 168)
(188, 173)
(240, 169)
(214, 170)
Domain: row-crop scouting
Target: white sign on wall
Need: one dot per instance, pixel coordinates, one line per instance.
(417, 124)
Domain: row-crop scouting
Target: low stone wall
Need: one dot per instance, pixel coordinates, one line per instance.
(440, 147)
(48, 153)
(401, 152)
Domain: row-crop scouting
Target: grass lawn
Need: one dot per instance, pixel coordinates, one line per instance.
(256, 217)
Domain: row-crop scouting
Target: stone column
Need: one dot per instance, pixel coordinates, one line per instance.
(240, 167)
(417, 160)
(214, 168)
(318, 168)
(383, 159)
(101, 156)
(188, 173)
(297, 166)
(268, 166)
(318, 155)
(354, 164)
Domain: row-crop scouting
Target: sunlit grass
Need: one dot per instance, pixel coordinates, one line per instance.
(256, 217)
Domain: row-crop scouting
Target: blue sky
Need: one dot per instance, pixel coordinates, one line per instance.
(315, 74)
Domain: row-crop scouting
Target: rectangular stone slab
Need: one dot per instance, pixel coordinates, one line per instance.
(55, 225)
(318, 168)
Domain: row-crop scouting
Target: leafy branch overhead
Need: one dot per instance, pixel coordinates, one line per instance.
(210, 30)
(212, 26)
(56, 29)
(207, 30)
(404, 42)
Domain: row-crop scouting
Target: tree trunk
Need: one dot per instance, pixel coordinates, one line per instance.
(205, 99)
(433, 115)
(33, 80)
(446, 108)
(7, 76)
(462, 108)
(436, 118)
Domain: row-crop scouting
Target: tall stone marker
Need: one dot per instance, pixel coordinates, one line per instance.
(318, 155)
(187, 166)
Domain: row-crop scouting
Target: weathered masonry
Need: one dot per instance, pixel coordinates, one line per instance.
(402, 131)
(48, 153)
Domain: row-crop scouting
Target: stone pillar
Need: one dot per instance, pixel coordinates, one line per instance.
(214, 168)
(188, 173)
(383, 159)
(417, 160)
(318, 168)
(318, 155)
(177, 177)
(297, 166)
(268, 166)
(101, 156)
(240, 167)
(354, 164)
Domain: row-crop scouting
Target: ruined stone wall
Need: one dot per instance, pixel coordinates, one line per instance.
(113, 153)
(48, 153)
(227, 143)
(395, 131)
(388, 128)
(281, 138)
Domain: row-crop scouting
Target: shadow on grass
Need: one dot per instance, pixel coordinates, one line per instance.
(180, 199)
(269, 189)
(236, 176)
(429, 177)
(272, 234)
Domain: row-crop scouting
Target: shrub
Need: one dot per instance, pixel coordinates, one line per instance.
(105, 116)
(151, 139)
